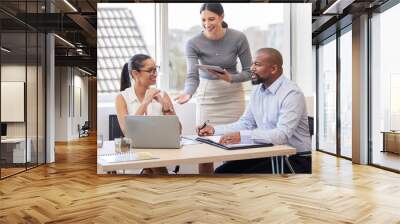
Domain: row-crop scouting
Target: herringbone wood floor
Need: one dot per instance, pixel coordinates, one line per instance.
(69, 191)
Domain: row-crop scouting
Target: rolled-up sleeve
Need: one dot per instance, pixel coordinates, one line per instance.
(244, 55)
(293, 107)
(192, 78)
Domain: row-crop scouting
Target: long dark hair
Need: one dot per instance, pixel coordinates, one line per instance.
(125, 79)
(134, 63)
(215, 8)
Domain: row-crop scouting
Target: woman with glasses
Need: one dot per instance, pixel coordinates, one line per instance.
(137, 97)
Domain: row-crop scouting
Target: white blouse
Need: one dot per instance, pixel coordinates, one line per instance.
(133, 103)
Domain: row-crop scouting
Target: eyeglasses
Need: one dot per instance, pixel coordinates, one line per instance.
(152, 71)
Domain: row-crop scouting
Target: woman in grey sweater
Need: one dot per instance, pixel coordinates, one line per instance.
(220, 96)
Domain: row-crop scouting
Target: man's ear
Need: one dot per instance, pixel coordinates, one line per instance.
(275, 69)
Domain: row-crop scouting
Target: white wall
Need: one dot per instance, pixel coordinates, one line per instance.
(61, 103)
(12, 73)
(68, 81)
(303, 65)
(81, 83)
(33, 127)
(302, 70)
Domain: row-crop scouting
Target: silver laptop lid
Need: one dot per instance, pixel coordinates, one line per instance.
(158, 132)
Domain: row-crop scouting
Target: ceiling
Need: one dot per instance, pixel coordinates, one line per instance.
(328, 16)
(76, 22)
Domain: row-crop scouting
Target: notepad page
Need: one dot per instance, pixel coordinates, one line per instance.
(214, 138)
(120, 157)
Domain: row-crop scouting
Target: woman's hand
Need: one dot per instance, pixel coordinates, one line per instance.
(167, 106)
(226, 76)
(183, 98)
(150, 95)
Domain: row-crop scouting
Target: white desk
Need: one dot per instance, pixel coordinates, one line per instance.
(19, 149)
(188, 154)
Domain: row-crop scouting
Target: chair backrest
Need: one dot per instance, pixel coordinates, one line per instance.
(86, 125)
(311, 125)
(114, 131)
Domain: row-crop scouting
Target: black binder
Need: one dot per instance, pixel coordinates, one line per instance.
(234, 146)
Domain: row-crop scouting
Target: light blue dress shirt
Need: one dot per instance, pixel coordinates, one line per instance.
(276, 115)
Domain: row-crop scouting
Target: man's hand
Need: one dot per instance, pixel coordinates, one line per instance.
(230, 138)
(208, 130)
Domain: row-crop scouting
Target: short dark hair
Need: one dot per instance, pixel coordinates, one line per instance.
(134, 63)
(215, 8)
(275, 55)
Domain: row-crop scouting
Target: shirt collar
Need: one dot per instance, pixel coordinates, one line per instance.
(132, 95)
(273, 88)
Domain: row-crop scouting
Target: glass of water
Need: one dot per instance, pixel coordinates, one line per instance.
(117, 143)
(99, 141)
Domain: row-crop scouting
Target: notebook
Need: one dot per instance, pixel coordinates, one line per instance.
(214, 140)
(123, 157)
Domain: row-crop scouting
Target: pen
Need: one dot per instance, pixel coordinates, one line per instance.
(204, 125)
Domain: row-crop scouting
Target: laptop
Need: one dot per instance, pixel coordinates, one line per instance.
(157, 132)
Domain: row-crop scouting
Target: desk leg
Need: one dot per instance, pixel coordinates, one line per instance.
(384, 142)
(282, 168)
(273, 165)
(278, 171)
(206, 168)
(289, 165)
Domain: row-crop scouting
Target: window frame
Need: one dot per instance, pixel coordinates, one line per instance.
(334, 37)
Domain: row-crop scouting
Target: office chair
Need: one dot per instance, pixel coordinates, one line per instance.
(311, 130)
(279, 168)
(114, 131)
(84, 130)
(311, 125)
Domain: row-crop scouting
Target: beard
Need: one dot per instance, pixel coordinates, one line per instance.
(256, 79)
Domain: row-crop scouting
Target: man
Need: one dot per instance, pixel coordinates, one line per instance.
(276, 114)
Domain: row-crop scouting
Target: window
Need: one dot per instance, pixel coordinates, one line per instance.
(22, 74)
(139, 27)
(346, 94)
(268, 32)
(124, 30)
(385, 84)
(327, 96)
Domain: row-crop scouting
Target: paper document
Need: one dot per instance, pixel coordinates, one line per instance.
(189, 137)
(189, 140)
(214, 140)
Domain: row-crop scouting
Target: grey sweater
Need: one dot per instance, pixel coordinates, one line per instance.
(223, 52)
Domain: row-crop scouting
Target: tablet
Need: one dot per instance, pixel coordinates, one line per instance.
(211, 67)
